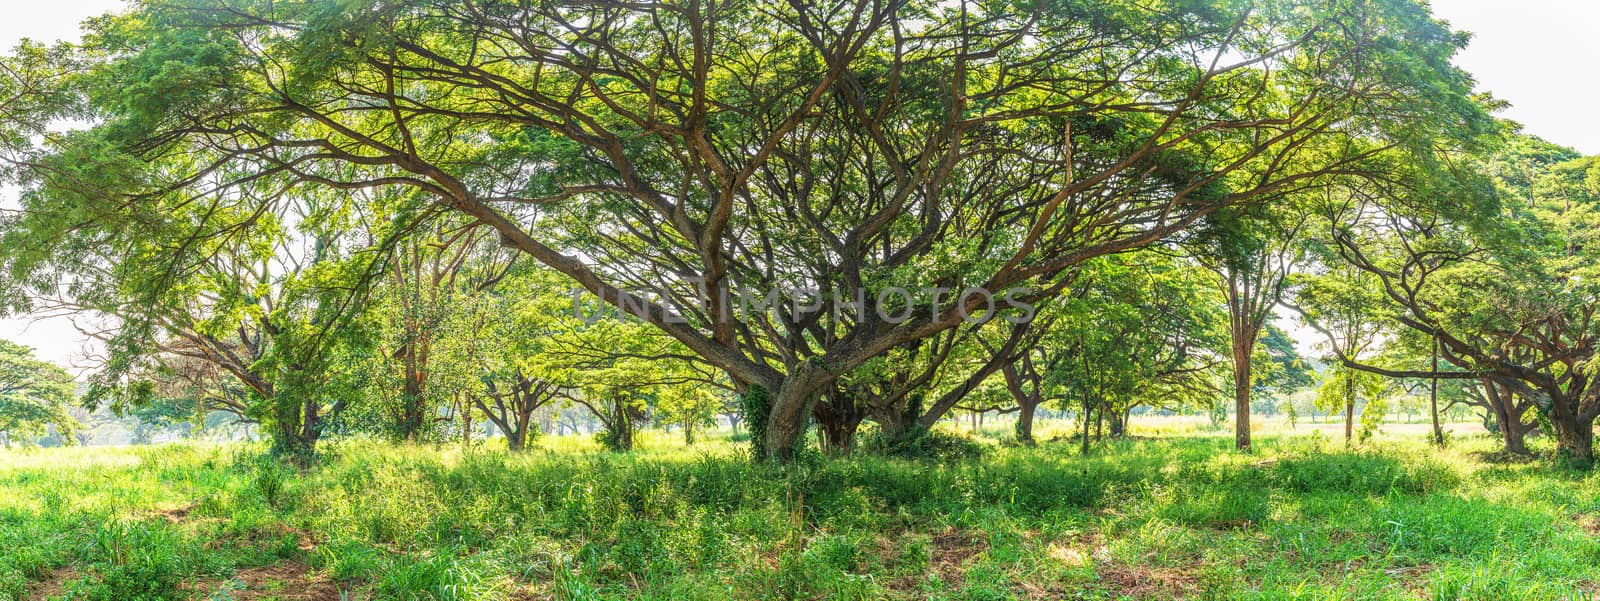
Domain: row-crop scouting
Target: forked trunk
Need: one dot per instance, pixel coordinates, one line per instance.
(838, 417)
(517, 439)
(1507, 420)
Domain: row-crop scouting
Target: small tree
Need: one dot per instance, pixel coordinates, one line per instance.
(1342, 303)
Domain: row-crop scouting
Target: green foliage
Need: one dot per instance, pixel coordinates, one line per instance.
(1283, 371)
(236, 183)
(756, 408)
(924, 444)
(379, 521)
(34, 396)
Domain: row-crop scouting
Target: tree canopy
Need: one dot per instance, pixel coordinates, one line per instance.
(329, 217)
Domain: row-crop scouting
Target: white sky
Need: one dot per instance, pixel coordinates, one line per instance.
(1540, 55)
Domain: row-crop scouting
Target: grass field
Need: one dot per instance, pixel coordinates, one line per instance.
(1174, 516)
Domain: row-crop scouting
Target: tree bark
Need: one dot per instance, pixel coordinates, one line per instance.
(466, 424)
(1575, 441)
(1028, 401)
(838, 417)
(1088, 416)
(1349, 409)
(791, 406)
(623, 427)
(1119, 423)
(1433, 397)
(1025, 411)
(1242, 345)
(1503, 408)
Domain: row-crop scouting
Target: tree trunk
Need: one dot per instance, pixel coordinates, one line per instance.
(295, 429)
(1349, 409)
(1241, 390)
(1514, 438)
(899, 423)
(466, 425)
(1433, 397)
(1502, 408)
(1088, 416)
(838, 416)
(1574, 441)
(517, 437)
(1119, 423)
(521, 423)
(791, 406)
(1025, 411)
(413, 397)
(622, 427)
(839, 438)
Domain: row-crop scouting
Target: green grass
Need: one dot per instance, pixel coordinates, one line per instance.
(1149, 518)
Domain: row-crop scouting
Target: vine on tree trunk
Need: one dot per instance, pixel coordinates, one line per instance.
(756, 407)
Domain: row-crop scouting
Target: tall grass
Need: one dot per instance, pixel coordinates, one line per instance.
(1144, 518)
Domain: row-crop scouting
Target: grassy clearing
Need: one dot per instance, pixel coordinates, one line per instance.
(1171, 517)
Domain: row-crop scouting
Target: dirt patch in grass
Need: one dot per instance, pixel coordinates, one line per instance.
(952, 550)
(1137, 582)
(54, 583)
(270, 534)
(1589, 522)
(176, 515)
(1413, 578)
(287, 581)
(949, 553)
(523, 593)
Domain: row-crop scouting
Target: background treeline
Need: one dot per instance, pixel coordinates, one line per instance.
(332, 217)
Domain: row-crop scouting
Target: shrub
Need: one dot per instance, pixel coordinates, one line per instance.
(923, 443)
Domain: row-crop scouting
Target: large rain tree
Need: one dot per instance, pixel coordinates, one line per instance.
(710, 152)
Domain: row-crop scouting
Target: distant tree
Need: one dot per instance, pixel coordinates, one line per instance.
(502, 343)
(1343, 304)
(1146, 331)
(1252, 256)
(689, 406)
(34, 397)
(1284, 370)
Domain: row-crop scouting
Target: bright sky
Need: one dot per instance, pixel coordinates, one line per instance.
(1537, 54)
(1540, 55)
